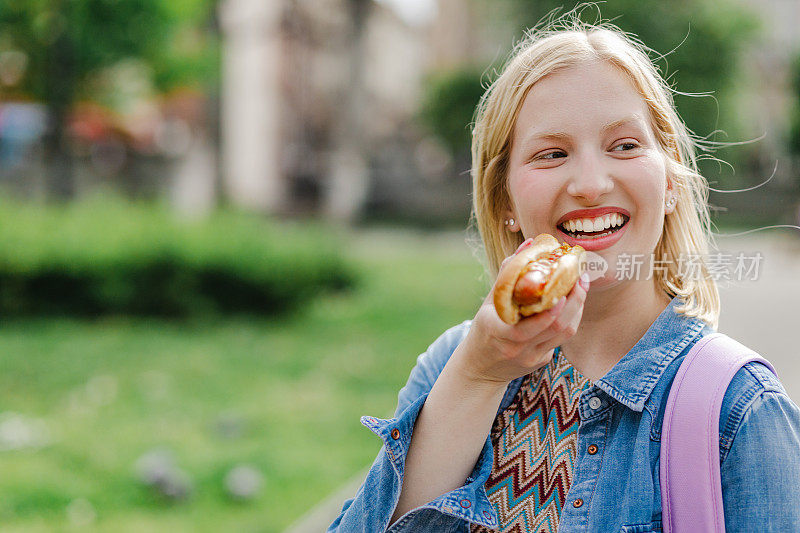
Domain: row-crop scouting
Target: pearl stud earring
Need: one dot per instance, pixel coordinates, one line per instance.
(510, 222)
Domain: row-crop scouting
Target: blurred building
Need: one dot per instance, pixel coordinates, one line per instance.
(319, 113)
(318, 107)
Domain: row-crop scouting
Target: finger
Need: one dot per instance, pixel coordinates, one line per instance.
(565, 326)
(561, 337)
(584, 281)
(534, 325)
(573, 307)
(568, 319)
(525, 244)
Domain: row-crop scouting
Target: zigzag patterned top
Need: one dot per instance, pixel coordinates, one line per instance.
(535, 442)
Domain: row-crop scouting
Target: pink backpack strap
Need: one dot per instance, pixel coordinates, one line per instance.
(691, 490)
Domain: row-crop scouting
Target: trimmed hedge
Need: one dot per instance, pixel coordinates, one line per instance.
(110, 257)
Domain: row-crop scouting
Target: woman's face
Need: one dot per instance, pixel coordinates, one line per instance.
(582, 148)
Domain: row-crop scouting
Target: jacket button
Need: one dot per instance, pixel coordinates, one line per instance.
(595, 402)
(592, 449)
(395, 433)
(577, 503)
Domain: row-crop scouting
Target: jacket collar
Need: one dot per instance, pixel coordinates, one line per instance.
(632, 379)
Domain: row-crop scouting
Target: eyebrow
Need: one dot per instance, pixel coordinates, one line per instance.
(560, 135)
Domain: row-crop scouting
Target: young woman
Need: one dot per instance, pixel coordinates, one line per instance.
(555, 422)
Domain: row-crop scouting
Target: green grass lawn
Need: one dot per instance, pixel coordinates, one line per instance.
(109, 391)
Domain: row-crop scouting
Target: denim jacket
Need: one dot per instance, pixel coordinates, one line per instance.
(621, 414)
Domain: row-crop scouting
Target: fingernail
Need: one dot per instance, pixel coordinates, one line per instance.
(585, 281)
(525, 244)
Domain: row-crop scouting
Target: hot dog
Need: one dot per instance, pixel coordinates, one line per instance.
(535, 279)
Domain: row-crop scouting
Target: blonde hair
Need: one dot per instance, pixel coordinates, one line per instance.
(560, 44)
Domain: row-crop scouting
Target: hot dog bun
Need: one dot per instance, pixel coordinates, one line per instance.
(560, 279)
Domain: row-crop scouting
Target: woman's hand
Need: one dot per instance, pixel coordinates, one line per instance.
(496, 352)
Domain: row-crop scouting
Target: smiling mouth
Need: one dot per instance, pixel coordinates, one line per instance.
(590, 235)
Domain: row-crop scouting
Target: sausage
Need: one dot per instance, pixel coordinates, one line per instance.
(535, 277)
(529, 287)
(531, 283)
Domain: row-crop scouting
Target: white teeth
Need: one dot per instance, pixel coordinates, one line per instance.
(594, 224)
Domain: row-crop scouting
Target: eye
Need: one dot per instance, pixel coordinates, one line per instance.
(626, 146)
(557, 154)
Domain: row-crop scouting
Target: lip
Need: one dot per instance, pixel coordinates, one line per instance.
(593, 244)
(592, 213)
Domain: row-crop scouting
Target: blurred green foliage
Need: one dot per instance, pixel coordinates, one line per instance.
(69, 51)
(297, 385)
(701, 40)
(174, 38)
(448, 104)
(104, 256)
(794, 133)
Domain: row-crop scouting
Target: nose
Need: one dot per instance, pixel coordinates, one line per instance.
(590, 179)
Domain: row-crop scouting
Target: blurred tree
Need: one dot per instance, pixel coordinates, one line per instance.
(703, 40)
(794, 133)
(448, 105)
(66, 42)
